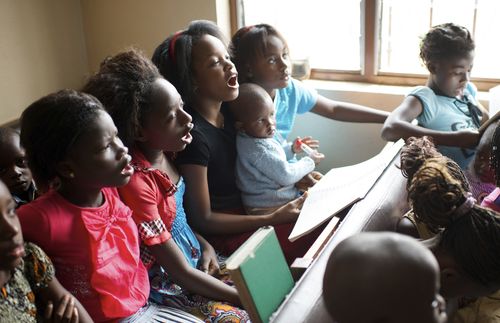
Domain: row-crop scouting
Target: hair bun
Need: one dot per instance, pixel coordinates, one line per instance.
(414, 153)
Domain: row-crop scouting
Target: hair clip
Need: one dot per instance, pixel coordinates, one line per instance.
(247, 29)
(466, 206)
(171, 47)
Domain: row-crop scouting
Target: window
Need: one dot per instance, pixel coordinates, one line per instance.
(376, 40)
(314, 36)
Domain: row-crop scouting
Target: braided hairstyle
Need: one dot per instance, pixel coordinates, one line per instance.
(51, 126)
(417, 150)
(495, 154)
(247, 44)
(173, 56)
(471, 235)
(445, 41)
(124, 84)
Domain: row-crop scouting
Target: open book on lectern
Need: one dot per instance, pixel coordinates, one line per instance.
(341, 187)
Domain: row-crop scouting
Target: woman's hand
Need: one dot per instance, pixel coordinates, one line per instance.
(289, 212)
(66, 311)
(308, 181)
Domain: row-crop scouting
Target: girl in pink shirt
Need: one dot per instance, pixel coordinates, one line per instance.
(76, 157)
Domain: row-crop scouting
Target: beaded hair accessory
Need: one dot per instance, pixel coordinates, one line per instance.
(465, 207)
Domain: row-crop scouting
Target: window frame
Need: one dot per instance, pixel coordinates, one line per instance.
(370, 24)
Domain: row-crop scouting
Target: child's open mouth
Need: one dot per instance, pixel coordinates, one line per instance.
(187, 138)
(233, 81)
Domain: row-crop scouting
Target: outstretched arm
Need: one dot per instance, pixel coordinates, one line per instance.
(203, 219)
(344, 111)
(399, 125)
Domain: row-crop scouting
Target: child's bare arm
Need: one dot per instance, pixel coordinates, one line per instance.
(344, 111)
(63, 304)
(399, 125)
(198, 207)
(170, 257)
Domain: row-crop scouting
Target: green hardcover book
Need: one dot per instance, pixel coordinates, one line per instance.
(261, 274)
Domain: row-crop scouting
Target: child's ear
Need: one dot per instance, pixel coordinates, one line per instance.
(65, 169)
(449, 277)
(431, 66)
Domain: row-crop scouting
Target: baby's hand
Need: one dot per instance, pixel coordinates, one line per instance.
(309, 141)
(317, 157)
(308, 181)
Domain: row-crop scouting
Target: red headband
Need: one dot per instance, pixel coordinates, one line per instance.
(171, 47)
(247, 29)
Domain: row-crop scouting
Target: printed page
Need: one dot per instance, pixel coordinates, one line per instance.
(341, 187)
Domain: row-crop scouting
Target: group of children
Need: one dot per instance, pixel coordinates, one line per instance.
(454, 197)
(142, 236)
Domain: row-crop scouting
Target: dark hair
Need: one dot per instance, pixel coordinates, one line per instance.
(417, 150)
(495, 154)
(445, 41)
(247, 44)
(470, 235)
(173, 56)
(51, 126)
(123, 85)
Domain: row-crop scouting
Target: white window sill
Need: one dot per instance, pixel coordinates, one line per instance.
(397, 91)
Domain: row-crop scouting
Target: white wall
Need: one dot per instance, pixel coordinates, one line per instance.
(345, 143)
(113, 25)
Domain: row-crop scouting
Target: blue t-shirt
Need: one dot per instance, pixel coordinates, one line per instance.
(445, 113)
(289, 101)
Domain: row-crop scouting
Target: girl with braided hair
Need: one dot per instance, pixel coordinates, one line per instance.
(468, 239)
(413, 154)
